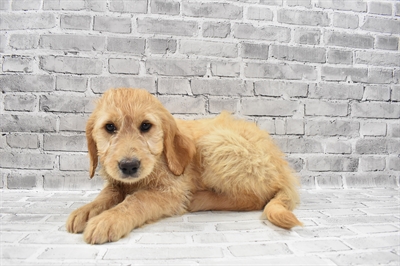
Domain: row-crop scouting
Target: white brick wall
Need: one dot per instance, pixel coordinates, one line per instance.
(320, 75)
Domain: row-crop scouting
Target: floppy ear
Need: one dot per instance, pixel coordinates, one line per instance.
(178, 148)
(92, 148)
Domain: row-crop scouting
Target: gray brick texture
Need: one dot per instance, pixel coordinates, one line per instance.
(322, 76)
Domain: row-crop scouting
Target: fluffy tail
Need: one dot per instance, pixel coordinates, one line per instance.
(279, 209)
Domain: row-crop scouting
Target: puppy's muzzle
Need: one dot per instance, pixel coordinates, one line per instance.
(129, 167)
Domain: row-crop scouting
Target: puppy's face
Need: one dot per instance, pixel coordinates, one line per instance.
(128, 131)
(128, 135)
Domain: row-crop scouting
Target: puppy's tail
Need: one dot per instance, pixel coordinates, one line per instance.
(279, 209)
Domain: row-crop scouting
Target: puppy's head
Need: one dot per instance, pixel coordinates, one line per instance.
(128, 132)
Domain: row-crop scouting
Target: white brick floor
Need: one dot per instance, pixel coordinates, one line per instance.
(342, 227)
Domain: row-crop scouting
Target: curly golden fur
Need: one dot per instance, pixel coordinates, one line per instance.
(157, 166)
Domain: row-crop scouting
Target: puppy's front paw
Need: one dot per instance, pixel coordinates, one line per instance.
(106, 227)
(77, 220)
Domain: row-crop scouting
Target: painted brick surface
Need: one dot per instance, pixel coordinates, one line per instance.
(320, 75)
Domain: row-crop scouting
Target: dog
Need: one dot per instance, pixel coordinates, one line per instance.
(157, 166)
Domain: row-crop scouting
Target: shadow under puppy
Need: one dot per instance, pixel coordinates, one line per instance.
(157, 166)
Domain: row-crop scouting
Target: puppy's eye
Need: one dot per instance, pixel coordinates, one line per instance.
(110, 128)
(145, 127)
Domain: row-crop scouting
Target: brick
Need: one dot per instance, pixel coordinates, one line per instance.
(64, 143)
(3, 43)
(95, 5)
(307, 36)
(336, 91)
(332, 163)
(329, 181)
(377, 146)
(23, 123)
(267, 107)
(260, 13)
(373, 257)
(394, 163)
(348, 40)
(101, 84)
(346, 21)
(176, 67)
(126, 45)
(323, 108)
(394, 130)
(212, 10)
(254, 51)
(63, 5)
(225, 69)
(165, 7)
(338, 147)
(74, 162)
(271, 2)
(332, 128)
(165, 253)
(344, 74)
(24, 41)
(127, 6)
(268, 33)
(123, 66)
(21, 64)
(370, 163)
(377, 93)
(25, 5)
(294, 127)
(5, 4)
(22, 141)
(381, 25)
(25, 103)
(373, 129)
(73, 42)
(162, 46)
(377, 59)
(295, 3)
(318, 246)
(167, 27)
(71, 83)
(27, 83)
(112, 24)
(397, 11)
(74, 22)
(15, 253)
(206, 48)
(280, 88)
(216, 29)
(302, 54)
(64, 103)
(357, 5)
(217, 105)
(375, 110)
(297, 164)
(21, 181)
(73, 122)
(371, 180)
(300, 17)
(280, 71)
(379, 75)
(27, 21)
(259, 250)
(395, 93)
(339, 57)
(299, 145)
(221, 87)
(387, 42)
(71, 65)
(12, 160)
(380, 8)
(174, 86)
(183, 104)
(76, 253)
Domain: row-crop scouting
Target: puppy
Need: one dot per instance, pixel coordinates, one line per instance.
(157, 166)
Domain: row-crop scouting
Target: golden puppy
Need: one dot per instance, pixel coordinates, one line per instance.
(157, 166)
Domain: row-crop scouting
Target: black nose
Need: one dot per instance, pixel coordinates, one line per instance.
(129, 166)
